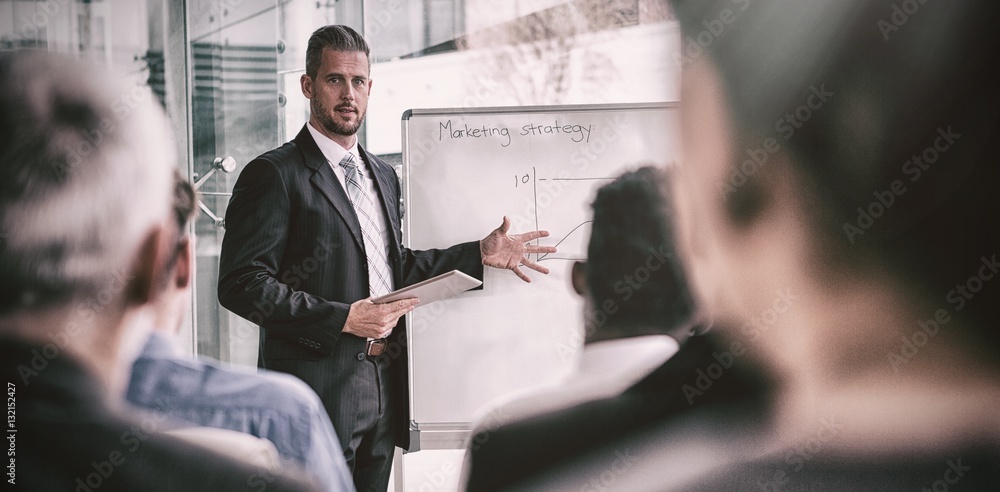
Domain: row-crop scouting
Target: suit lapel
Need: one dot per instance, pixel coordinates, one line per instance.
(326, 182)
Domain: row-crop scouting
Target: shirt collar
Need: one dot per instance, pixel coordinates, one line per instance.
(332, 150)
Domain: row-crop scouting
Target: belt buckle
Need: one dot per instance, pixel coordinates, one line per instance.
(375, 347)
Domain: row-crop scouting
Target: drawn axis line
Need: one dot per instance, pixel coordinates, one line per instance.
(546, 255)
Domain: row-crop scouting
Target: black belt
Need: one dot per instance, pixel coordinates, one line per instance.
(375, 347)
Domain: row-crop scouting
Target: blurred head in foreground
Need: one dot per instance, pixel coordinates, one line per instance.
(837, 208)
(85, 186)
(175, 297)
(632, 282)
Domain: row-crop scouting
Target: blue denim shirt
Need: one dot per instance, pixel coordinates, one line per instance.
(271, 405)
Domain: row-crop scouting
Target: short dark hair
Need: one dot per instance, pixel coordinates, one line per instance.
(335, 37)
(632, 238)
(901, 83)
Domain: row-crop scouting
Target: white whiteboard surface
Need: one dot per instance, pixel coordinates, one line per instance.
(463, 170)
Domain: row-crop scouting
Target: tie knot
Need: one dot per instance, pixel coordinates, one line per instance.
(348, 162)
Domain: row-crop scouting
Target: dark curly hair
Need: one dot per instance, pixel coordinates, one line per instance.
(631, 264)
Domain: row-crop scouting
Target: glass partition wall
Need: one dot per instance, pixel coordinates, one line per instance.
(246, 57)
(233, 57)
(134, 40)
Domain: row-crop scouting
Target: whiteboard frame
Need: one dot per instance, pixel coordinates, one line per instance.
(455, 435)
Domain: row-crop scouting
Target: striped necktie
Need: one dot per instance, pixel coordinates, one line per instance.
(379, 279)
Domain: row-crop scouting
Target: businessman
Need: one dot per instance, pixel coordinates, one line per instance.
(313, 233)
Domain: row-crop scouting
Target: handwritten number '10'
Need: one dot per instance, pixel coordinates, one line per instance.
(518, 180)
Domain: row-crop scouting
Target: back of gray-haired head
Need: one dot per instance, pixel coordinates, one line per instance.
(85, 173)
(334, 37)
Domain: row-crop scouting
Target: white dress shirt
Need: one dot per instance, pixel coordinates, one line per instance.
(334, 153)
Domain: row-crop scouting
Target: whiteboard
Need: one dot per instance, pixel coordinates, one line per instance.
(463, 170)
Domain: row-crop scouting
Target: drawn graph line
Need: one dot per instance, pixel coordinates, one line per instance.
(547, 256)
(534, 181)
(576, 179)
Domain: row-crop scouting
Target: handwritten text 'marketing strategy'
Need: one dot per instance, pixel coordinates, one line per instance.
(502, 134)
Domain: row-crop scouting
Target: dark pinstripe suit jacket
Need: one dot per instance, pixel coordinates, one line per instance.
(293, 259)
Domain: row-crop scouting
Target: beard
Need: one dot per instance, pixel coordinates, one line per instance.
(325, 117)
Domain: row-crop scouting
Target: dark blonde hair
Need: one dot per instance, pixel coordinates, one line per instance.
(336, 38)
